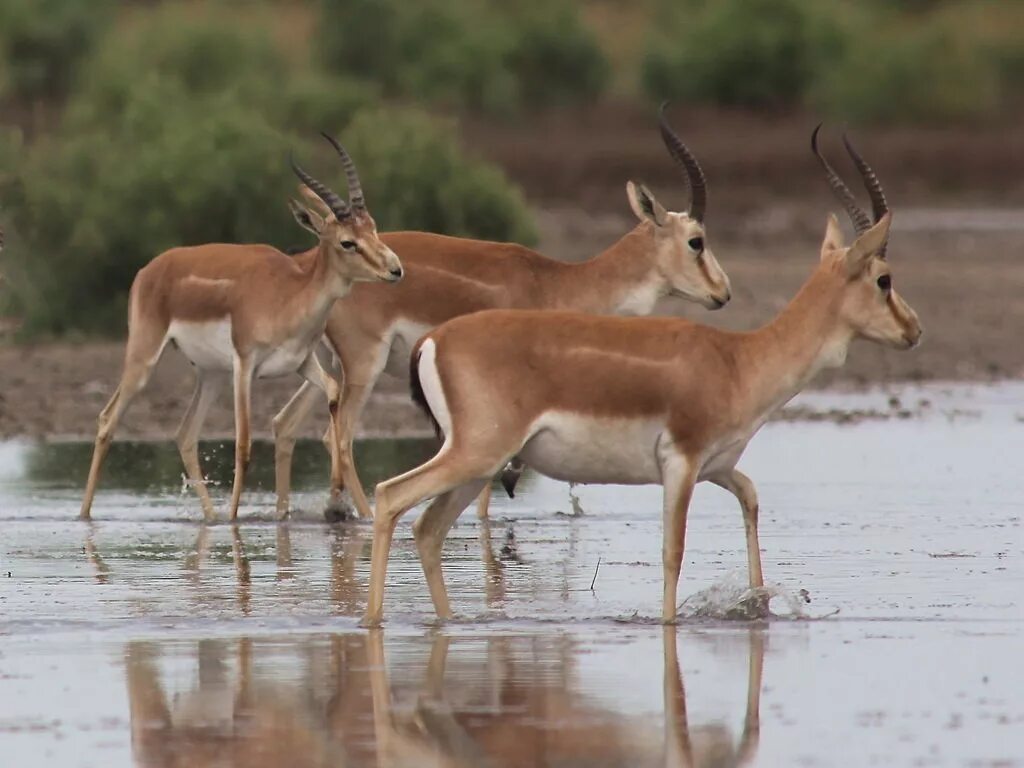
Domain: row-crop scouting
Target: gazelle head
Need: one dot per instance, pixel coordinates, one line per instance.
(347, 231)
(869, 305)
(681, 252)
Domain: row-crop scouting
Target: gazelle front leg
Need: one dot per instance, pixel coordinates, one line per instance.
(741, 486)
(243, 372)
(678, 476)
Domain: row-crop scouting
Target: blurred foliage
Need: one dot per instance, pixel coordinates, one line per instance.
(486, 55)
(881, 61)
(43, 41)
(427, 183)
(178, 132)
(753, 53)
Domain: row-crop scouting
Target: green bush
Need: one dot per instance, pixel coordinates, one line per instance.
(417, 178)
(191, 54)
(465, 53)
(93, 207)
(755, 53)
(920, 72)
(42, 43)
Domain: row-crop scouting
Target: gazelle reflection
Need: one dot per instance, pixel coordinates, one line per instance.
(498, 701)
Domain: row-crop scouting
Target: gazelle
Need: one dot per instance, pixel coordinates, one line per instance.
(632, 400)
(246, 310)
(374, 330)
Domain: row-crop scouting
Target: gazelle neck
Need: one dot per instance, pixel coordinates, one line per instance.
(806, 337)
(623, 279)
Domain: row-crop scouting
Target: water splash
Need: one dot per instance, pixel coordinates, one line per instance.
(731, 599)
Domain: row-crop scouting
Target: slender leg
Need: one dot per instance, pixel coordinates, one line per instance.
(741, 486)
(143, 352)
(678, 477)
(495, 583)
(430, 531)
(344, 474)
(286, 425)
(449, 469)
(243, 442)
(483, 502)
(207, 388)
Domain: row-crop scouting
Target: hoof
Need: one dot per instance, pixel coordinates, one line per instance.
(340, 510)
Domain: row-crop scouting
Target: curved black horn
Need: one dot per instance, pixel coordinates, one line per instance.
(355, 189)
(338, 206)
(694, 175)
(879, 207)
(861, 222)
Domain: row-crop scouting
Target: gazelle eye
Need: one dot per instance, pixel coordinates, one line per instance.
(885, 283)
(696, 244)
(348, 245)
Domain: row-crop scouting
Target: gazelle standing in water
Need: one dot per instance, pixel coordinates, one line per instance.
(375, 329)
(632, 400)
(246, 310)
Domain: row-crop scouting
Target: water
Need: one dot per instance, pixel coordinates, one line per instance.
(146, 639)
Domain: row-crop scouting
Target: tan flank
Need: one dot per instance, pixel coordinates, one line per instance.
(244, 311)
(631, 400)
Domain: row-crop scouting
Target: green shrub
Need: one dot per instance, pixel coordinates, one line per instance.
(758, 53)
(417, 178)
(42, 43)
(910, 73)
(96, 206)
(465, 53)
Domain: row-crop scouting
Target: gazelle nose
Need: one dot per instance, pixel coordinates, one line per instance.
(397, 273)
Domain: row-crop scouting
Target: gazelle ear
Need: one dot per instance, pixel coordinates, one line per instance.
(644, 205)
(867, 246)
(313, 201)
(307, 218)
(833, 240)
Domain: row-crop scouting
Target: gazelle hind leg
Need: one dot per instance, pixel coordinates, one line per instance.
(449, 469)
(286, 426)
(243, 372)
(143, 352)
(207, 388)
(430, 531)
(483, 503)
(742, 487)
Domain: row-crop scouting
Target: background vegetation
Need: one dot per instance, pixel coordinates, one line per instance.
(128, 127)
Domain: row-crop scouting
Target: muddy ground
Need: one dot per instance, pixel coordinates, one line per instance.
(958, 235)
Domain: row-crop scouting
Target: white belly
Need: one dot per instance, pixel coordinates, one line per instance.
(207, 345)
(591, 449)
(404, 335)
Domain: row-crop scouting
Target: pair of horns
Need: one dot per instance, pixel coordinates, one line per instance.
(879, 207)
(693, 174)
(332, 200)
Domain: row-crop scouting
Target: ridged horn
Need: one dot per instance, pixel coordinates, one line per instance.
(355, 188)
(694, 174)
(879, 207)
(338, 206)
(861, 222)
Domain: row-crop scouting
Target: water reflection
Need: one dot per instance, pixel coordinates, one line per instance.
(348, 700)
(149, 466)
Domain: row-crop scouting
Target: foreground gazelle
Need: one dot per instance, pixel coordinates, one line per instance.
(374, 330)
(640, 400)
(248, 310)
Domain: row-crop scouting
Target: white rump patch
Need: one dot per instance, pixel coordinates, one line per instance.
(430, 383)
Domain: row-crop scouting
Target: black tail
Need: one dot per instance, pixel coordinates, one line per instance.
(416, 389)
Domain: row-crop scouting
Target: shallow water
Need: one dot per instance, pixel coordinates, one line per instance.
(145, 638)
